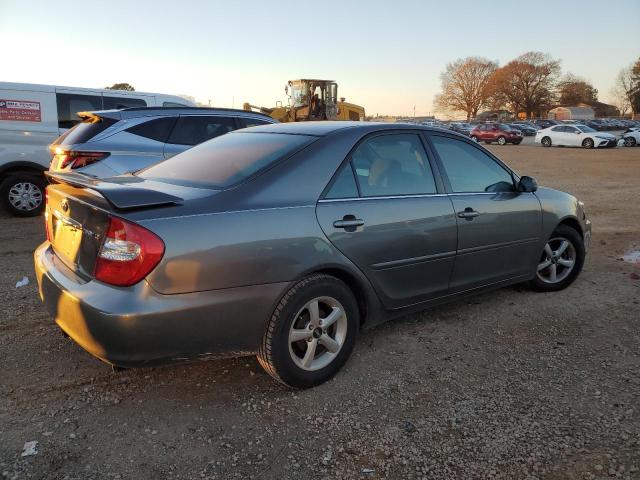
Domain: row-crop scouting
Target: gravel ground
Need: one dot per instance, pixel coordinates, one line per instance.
(510, 385)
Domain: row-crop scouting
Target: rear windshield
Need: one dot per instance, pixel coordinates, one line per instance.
(85, 130)
(226, 160)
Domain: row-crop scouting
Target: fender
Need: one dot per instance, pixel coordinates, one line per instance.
(21, 165)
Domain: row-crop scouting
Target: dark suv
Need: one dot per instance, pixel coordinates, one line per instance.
(113, 142)
(500, 133)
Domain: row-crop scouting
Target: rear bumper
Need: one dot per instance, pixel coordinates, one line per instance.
(137, 326)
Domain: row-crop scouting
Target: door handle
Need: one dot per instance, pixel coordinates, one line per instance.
(468, 213)
(349, 223)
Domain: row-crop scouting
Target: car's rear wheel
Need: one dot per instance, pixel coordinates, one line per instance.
(546, 142)
(474, 138)
(629, 142)
(23, 193)
(587, 143)
(502, 141)
(311, 332)
(561, 260)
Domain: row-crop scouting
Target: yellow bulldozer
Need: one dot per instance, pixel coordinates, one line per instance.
(311, 99)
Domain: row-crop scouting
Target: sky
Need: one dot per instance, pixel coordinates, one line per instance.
(385, 55)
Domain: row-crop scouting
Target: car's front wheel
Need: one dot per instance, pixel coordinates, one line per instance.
(561, 260)
(311, 332)
(23, 193)
(502, 141)
(587, 143)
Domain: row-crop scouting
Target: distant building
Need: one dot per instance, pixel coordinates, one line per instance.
(602, 109)
(571, 113)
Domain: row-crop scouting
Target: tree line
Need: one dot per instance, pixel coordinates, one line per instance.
(531, 83)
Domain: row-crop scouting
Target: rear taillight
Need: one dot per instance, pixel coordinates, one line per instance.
(75, 160)
(128, 254)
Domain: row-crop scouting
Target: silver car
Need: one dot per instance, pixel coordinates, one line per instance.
(113, 142)
(286, 240)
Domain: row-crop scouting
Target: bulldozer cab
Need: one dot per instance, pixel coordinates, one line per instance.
(311, 99)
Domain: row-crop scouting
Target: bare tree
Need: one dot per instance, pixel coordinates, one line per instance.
(626, 90)
(464, 86)
(525, 84)
(619, 94)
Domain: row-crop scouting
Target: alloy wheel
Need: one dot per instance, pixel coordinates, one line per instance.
(25, 196)
(317, 333)
(557, 261)
(588, 143)
(629, 142)
(502, 141)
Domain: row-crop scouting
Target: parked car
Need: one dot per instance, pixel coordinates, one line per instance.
(598, 124)
(501, 133)
(461, 127)
(526, 130)
(285, 240)
(114, 142)
(32, 116)
(631, 137)
(545, 123)
(575, 136)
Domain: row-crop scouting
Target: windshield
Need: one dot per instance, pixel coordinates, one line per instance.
(226, 160)
(586, 129)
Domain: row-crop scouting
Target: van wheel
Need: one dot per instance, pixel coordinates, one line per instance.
(311, 332)
(23, 193)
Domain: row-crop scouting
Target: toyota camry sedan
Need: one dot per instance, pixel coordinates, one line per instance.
(575, 136)
(285, 241)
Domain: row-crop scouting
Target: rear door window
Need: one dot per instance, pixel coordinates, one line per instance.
(193, 130)
(69, 104)
(118, 103)
(395, 164)
(157, 129)
(226, 160)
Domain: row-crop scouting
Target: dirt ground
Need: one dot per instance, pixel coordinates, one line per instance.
(511, 384)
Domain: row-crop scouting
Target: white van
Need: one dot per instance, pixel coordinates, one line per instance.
(32, 116)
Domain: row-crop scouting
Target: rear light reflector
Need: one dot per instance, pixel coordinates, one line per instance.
(47, 213)
(75, 160)
(128, 253)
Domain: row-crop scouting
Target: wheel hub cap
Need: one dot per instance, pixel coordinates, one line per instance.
(557, 261)
(317, 333)
(25, 196)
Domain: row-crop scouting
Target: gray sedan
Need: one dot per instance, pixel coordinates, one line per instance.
(286, 240)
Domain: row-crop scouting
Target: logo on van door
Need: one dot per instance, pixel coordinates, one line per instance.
(20, 110)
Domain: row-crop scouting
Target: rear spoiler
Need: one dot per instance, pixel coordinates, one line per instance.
(120, 192)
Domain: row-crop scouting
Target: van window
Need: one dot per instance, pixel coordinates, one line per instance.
(69, 104)
(122, 102)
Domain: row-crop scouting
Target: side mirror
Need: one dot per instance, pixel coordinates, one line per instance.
(527, 184)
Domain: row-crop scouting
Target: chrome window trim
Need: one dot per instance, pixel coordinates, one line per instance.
(425, 195)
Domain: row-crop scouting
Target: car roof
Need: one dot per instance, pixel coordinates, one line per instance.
(136, 112)
(322, 128)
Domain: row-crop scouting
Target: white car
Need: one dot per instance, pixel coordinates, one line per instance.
(574, 136)
(631, 137)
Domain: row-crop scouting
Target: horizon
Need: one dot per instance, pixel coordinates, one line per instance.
(385, 59)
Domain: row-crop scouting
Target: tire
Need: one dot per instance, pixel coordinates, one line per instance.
(629, 142)
(543, 281)
(587, 143)
(285, 359)
(22, 193)
(502, 140)
(546, 142)
(474, 138)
